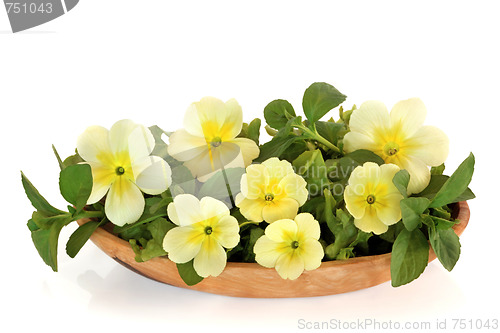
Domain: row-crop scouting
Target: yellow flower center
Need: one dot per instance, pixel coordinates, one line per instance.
(295, 245)
(391, 148)
(269, 197)
(370, 199)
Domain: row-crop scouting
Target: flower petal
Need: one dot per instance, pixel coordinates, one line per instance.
(268, 251)
(355, 140)
(140, 143)
(307, 226)
(233, 120)
(285, 208)
(172, 213)
(371, 223)
(387, 172)
(124, 203)
(277, 169)
(312, 253)
(119, 134)
(408, 116)
(187, 209)
(355, 200)
(248, 150)
(211, 260)
(420, 175)
(226, 232)
(103, 177)
(185, 146)
(429, 144)
(388, 209)
(252, 183)
(251, 208)
(293, 186)
(211, 208)
(371, 119)
(284, 230)
(92, 143)
(153, 175)
(212, 160)
(192, 122)
(182, 243)
(290, 266)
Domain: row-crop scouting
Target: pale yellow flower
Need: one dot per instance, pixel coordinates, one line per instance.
(290, 246)
(271, 191)
(205, 228)
(372, 198)
(122, 167)
(399, 138)
(208, 141)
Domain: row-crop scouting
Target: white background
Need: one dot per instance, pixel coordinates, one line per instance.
(148, 60)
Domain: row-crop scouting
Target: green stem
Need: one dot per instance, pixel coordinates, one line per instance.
(248, 222)
(315, 135)
(89, 214)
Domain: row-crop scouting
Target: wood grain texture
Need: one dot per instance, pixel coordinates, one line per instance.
(253, 280)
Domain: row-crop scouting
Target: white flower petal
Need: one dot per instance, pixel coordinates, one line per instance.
(370, 119)
(354, 141)
(253, 181)
(172, 213)
(248, 150)
(233, 120)
(212, 160)
(371, 223)
(211, 260)
(92, 143)
(119, 134)
(419, 174)
(182, 244)
(124, 203)
(103, 177)
(153, 175)
(192, 122)
(408, 116)
(188, 210)
(388, 209)
(429, 144)
(211, 207)
(185, 146)
(277, 169)
(140, 143)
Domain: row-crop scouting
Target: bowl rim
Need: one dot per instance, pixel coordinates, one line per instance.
(253, 280)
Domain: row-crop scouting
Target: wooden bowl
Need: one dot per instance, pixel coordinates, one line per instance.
(253, 280)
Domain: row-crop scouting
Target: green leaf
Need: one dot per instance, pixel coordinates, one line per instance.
(330, 131)
(401, 180)
(278, 112)
(72, 160)
(152, 242)
(410, 255)
(183, 181)
(37, 200)
(435, 184)
(437, 170)
(80, 236)
(217, 187)
(446, 245)
(46, 241)
(253, 131)
(75, 183)
(188, 274)
(46, 222)
(411, 209)
(276, 147)
(311, 166)
(320, 98)
(59, 161)
(456, 184)
(343, 169)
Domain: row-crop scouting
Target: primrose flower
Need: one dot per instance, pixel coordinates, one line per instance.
(372, 198)
(399, 138)
(271, 191)
(205, 229)
(122, 167)
(290, 246)
(208, 143)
